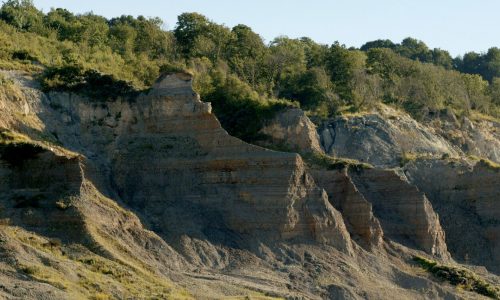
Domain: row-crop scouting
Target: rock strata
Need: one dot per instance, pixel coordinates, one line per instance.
(381, 138)
(178, 156)
(357, 211)
(466, 197)
(293, 129)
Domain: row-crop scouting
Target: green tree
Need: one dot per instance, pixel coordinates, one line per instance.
(315, 53)
(122, 39)
(476, 88)
(378, 44)
(23, 15)
(442, 58)
(246, 53)
(64, 23)
(414, 49)
(340, 65)
(495, 90)
(312, 89)
(286, 59)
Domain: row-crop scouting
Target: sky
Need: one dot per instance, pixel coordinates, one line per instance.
(458, 26)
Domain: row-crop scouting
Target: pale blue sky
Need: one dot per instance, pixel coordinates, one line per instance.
(455, 25)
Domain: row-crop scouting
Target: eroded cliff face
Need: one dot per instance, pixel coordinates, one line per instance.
(153, 190)
(379, 203)
(357, 211)
(382, 138)
(466, 196)
(165, 148)
(292, 129)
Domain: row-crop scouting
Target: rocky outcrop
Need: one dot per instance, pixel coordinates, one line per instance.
(154, 191)
(480, 137)
(403, 210)
(293, 130)
(62, 223)
(381, 138)
(166, 149)
(466, 198)
(357, 211)
(379, 203)
(177, 155)
(35, 186)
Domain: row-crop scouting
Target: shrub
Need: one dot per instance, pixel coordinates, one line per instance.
(73, 78)
(30, 270)
(460, 277)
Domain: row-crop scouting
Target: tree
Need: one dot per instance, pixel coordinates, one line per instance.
(94, 30)
(414, 49)
(442, 58)
(487, 65)
(311, 88)
(245, 53)
(285, 60)
(189, 27)
(340, 65)
(491, 64)
(476, 88)
(122, 38)
(315, 53)
(367, 89)
(378, 44)
(23, 15)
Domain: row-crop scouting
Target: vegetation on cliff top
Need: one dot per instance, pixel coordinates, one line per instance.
(245, 79)
(459, 277)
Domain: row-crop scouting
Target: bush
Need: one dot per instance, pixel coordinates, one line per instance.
(460, 277)
(241, 111)
(91, 83)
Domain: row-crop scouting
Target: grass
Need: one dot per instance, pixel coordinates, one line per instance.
(30, 270)
(477, 116)
(322, 160)
(11, 140)
(407, 157)
(8, 137)
(94, 277)
(462, 278)
(485, 162)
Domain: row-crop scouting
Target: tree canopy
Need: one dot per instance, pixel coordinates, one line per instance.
(245, 78)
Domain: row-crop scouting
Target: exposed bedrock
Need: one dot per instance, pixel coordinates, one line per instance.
(292, 129)
(222, 218)
(178, 156)
(404, 212)
(48, 193)
(380, 203)
(381, 138)
(466, 197)
(357, 211)
(167, 156)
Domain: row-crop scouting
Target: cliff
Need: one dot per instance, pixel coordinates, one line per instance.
(149, 195)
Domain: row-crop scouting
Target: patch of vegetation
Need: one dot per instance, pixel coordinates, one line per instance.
(30, 270)
(242, 111)
(8, 89)
(334, 163)
(485, 162)
(90, 83)
(407, 157)
(459, 277)
(102, 296)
